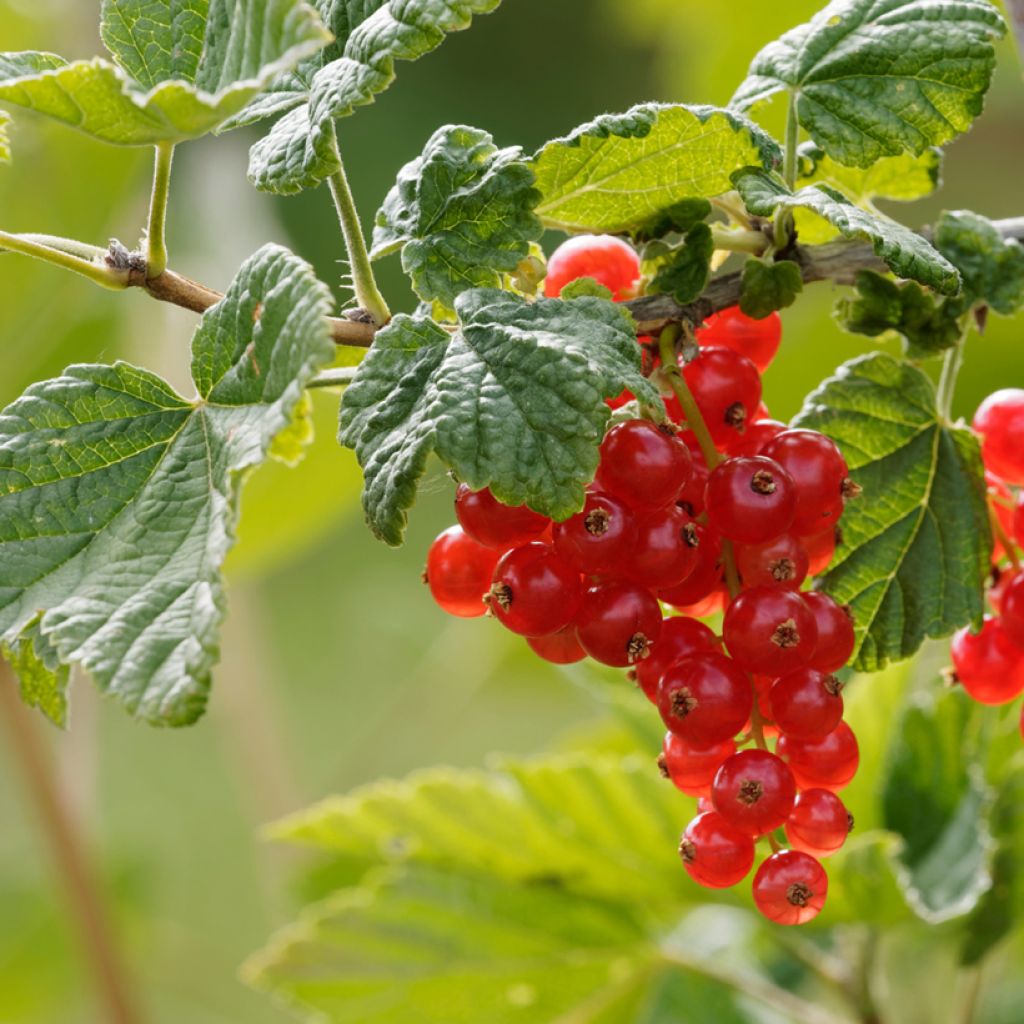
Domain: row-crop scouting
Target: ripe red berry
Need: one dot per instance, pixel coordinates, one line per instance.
(490, 522)
(1000, 422)
(836, 639)
(818, 469)
(727, 389)
(806, 704)
(691, 496)
(692, 769)
(750, 499)
(617, 623)
(706, 574)
(608, 260)
(643, 464)
(755, 437)
(1011, 608)
(820, 548)
(754, 791)
(599, 539)
(819, 823)
(829, 763)
(667, 549)
(678, 638)
(459, 572)
(561, 648)
(534, 591)
(758, 340)
(770, 631)
(790, 887)
(715, 854)
(705, 698)
(780, 562)
(988, 664)
(712, 604)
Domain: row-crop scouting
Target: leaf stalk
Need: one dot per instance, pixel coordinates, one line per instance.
(156, 241)
(68, 257)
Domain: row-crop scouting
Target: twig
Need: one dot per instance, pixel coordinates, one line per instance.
(67, 849)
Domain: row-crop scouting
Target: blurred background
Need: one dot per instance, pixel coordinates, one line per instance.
(336, 666)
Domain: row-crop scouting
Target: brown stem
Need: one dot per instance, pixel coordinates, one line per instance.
(68, 851)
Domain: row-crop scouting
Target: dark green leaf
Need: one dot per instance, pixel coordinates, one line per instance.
(684, 273)
(461, 213)
(621, 172)
(679, 218)
(916, 545)
(992, 267)
(118, 498)
(584, 287)
(905, 252)
(512, 401)
(768, 287)
(873, 78)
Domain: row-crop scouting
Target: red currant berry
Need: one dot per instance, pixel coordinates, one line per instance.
(1012, 609)
(489, 522)
(712, 604)
(758, 340)
(836, 639)
(750, 499)
(988, 664)
(692, 769)
(754, 791)
(643, 464)
(828, 763)
(617, 623)
(678, 638)
(706, 574)
(608, 260)
(819, 823)
(770, 630)
(818, 469)
(459, 572)
(561, 648)
(790, 887)
(667, 549)
(727, 389)
(598, 539)
(691, 496)
(755, 437)
(820, 548)
(806, 705)
(780, 562)
(534, 591)
(705, 699)
(715, 854)
(1000, 421)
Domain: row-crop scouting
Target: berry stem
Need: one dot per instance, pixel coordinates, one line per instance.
(947, 380)
(1001, 534)
(40, 247)
(677, 382)
(367, 293)
(156, 242)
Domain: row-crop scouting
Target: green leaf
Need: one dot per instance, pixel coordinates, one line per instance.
(118, 498)
(875, 78)
(935, 798)
(684, 273)
(896, 178)
(294, 155)
(904, 251)
(43, 680)
(461, 213)
(5, 142)
(864, 881)
(992, 267)
(620, 172)
(768, 287)
(511, 401)
(679, 218)
(584, 287)
(880, 304)
(916, 545)
(218, 59)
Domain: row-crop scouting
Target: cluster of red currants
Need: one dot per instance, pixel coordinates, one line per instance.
(990, 663)
(739, 525)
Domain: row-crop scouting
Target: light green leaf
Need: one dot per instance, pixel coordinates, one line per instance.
(768, 287)
(896, 178)
(294, 155)
(584, 287)
(916, 545)
(622, 171)
(864, 881)
(875, 78)
(936, 800)
(118, 498)
(43, 680)
(511, 401)
(992, 267)
(684, 272)
(220, 58)
(461, 213)
(5, 142)
(905, 252)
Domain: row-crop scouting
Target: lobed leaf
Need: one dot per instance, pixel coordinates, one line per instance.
(118, 498)
(916, 547)
(621, 172)
(42, 679)
(461, 213)
(512, 401)
(992, 267)
(768, 287)
(875, 78)
(683, 272)
(897, 178)
(905, 252)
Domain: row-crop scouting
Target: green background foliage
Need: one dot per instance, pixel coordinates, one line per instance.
(336, 668)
